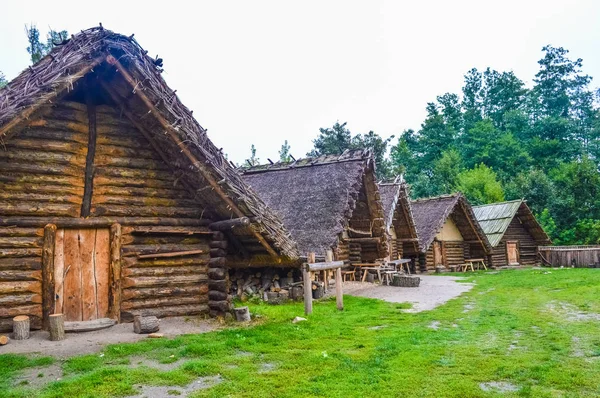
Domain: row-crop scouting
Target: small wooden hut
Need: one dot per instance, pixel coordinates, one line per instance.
(513, 232)
(402, 235)
(448, 232)
(113, 201)
(327, 202)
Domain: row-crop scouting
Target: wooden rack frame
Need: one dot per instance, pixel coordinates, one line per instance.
(312, 266)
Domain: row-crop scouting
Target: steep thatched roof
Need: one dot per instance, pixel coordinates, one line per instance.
(132, 80)
(496, 217)
(316, 197)
(431, 213)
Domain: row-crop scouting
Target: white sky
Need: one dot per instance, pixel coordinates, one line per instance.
(260, 72)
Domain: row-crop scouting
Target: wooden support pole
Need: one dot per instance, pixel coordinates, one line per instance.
(339, 295)
(86, 203)
(307, 285)
(48, 293)
(115, 272)
(56, 323)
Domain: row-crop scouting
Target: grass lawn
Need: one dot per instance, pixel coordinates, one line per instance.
(536, 331)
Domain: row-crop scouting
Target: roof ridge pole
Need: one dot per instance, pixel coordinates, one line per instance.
(205, 173)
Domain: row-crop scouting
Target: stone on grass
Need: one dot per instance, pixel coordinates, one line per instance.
(298, 319)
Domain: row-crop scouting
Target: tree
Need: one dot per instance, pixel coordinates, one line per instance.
(335, 140)
(533, 185)
(446, 171)
(3, 81)
(253, 160)
(501, 93)
(480, 185)
(284, 152)
(37, 49)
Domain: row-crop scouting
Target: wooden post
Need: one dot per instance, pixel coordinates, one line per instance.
(21, 327)
(339, 295)
(56, 323)
(115, 272)
(307, 285)
(48, 293)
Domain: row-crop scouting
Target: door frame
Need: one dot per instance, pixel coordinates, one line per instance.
(518, 251)
(48, 281)
(442, 258)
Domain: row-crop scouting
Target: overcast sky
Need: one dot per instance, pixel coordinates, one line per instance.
(260, 72)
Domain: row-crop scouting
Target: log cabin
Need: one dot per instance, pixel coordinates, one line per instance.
(402, 235)
(328, 202)
(513, 232)
(448, 232)
(113, 200)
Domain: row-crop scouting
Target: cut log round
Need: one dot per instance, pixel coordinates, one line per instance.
(21, 327)
(297, 292)
(217, 273)
(406, 281)
(145, 324)
(4, 340)
(242, 314)
(56, 323)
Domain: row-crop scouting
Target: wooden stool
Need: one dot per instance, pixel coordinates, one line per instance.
(351, 274)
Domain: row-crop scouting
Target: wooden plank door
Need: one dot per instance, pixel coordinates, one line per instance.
(81, 273)
(512, 252)
(438, 256)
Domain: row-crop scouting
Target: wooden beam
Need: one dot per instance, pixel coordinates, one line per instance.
(86, 204)
(114, 305)
(48, 293)
(363, 240)
(69, 222)
(173, 254)
(312, 267)
(186, 152)
(229, 224)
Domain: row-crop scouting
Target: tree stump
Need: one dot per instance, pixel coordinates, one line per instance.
(145, 324)
(370, 278)
(297, 293)
(318, 290)
(406, 281)
(242, 314)
(21, 327)
(57, 327)
(4, 340)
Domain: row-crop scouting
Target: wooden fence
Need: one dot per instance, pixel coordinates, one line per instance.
(571, 256)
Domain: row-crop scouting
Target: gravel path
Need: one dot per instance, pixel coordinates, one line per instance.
(432, 292)
(90, 342)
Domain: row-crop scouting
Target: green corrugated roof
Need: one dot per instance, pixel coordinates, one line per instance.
(495, 218)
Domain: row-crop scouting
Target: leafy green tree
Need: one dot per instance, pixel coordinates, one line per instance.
(502, 92)
(480, 185)
(446, 171)
(472, 101)
(37, 48)
(284, 152)
(533, 185)
(335, 140)
(253, 160)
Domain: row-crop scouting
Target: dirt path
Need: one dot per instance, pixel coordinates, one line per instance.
(432, 292)
(90, 342)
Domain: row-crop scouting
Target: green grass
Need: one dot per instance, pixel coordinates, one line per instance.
(513, 326)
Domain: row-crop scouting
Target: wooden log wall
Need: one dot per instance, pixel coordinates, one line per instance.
(527, 245)
(219, 301)
(42, 168)
(454, 253)
(20, 275)
(131, 179)
(164, 271)
(342, 251)
(572, 256)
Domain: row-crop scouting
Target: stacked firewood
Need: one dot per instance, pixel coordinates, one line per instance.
(249, 283)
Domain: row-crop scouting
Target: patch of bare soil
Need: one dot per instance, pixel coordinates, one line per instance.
(90, 342)
(167, 391)
(138, 361)
(571, 313)
(432, 292)
(38, 377)
(498, 387)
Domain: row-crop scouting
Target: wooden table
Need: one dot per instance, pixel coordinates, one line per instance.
(400, 262)
(478, 262)
(368, 266)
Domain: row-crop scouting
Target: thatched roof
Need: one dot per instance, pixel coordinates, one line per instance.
(431, 213)
(496, 217)
(316, 197)
(123, 70)
(395, 198)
